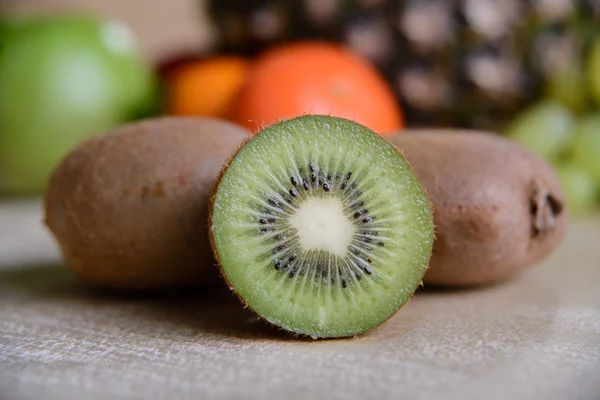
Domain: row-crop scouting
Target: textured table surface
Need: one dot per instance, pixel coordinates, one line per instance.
(537, 337)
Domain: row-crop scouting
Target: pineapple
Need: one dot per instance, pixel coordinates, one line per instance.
(460, 63)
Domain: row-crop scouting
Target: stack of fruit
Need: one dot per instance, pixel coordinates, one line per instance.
(319, 224)
(380, 63)
(66, 78)
(468, 63)
(527, 69)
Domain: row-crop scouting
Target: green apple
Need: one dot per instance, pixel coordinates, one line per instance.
(62, 80)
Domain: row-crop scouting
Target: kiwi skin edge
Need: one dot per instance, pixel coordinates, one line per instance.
(213, 243)
(212, 240)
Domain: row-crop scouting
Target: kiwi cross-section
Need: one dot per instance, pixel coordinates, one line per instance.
(321, 227)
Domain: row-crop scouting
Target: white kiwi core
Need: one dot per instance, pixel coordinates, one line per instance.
(322, 225)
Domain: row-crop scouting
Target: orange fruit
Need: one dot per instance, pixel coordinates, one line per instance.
(314, 77)
(206, 87)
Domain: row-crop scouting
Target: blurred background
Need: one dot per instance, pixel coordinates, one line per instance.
(525, 69)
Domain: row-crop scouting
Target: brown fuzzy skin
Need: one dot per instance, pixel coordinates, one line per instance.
(129, 209)
(498, 209)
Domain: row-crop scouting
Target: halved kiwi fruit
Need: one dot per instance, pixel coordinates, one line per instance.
(321, 227)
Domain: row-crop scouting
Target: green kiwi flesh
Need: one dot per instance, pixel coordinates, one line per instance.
(321, 227)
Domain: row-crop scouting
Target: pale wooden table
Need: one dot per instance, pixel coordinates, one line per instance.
(537, 337)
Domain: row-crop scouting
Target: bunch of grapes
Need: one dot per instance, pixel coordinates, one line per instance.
(564, 128)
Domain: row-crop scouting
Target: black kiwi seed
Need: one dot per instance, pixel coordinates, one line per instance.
(349, 175)
(372, 233)
(344, 185)
(320, 181)
(358, 277)
(262, 221)
(344, 283)
(313, 177)
(367, 270)
(367, 220)
(380, 244)
(329, 176)
(293, 257)
(263, 230)
(304, 184)
(292, 272)
(294, 181)
(293, 192)
(278, 248)
(326, 187)
(357, 214)
(277, 264)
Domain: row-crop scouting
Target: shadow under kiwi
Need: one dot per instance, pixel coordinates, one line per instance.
(205, 310)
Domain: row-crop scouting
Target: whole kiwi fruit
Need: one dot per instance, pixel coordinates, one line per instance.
(498, 208)
(129, 208)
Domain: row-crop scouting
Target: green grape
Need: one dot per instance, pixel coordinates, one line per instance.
(579, 187)
(593, 70)
(569, 87)
(545, 128)
(586, 148)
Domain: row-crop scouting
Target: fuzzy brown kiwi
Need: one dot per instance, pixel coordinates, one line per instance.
(498, 208)
(129, 208)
